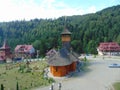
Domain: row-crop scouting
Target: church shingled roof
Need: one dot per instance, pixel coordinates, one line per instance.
(66, 31)
(61, 58)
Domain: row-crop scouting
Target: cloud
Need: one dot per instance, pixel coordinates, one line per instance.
(30, 9)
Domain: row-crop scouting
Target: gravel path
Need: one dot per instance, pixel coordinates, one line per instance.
(98, 76)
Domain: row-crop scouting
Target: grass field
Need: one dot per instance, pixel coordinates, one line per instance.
(116, 86)
(27, 76)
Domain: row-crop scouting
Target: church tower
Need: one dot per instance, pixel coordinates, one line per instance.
(5, 52)
(66, 38)
(63, 61)
(5, 48)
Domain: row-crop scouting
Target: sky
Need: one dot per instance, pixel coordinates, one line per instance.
(12, 10)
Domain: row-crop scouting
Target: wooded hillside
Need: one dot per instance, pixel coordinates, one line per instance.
(87, 31)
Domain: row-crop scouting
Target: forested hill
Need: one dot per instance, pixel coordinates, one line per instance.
(87, 31)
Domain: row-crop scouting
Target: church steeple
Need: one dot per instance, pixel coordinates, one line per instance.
(66, 38)
(5, 45)
(66, 35)
(5, 52)
(64, 58)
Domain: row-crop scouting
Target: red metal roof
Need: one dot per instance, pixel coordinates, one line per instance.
(1, 59)
(109, 46)
(23, 48)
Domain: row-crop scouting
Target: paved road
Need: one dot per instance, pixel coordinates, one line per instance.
(98, 76)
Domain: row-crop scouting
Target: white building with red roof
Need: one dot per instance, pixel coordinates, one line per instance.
(24, 50)
(109, 48)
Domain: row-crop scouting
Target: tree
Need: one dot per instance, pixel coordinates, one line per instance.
(2, 87)
(44, 34)
(77, 43)
(17, 86)
(36, 44)
(118, 39)
(91, 47)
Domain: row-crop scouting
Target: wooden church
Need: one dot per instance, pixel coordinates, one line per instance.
(5, 53)
(63, 61)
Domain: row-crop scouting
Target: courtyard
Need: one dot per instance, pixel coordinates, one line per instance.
(97, 76)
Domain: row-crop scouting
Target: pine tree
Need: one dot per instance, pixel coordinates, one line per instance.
(2, 87)
(17, 86)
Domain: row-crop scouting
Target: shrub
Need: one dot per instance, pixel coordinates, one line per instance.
(51, 80)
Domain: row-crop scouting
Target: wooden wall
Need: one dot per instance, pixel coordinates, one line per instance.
(66, 38)
(73, 65)
(60, 71)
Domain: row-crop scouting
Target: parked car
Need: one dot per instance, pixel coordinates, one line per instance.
(114, 65)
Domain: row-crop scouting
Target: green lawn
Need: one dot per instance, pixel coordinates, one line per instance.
(116, 86)
(27, 77)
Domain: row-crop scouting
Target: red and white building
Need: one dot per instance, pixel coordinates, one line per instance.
(24, 51)
(5, 53)
(109, 48)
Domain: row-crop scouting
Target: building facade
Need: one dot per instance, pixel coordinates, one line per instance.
(5, 53)
(24, 51)
(109, 48)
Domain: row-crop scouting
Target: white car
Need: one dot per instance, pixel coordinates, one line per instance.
(114, 65)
